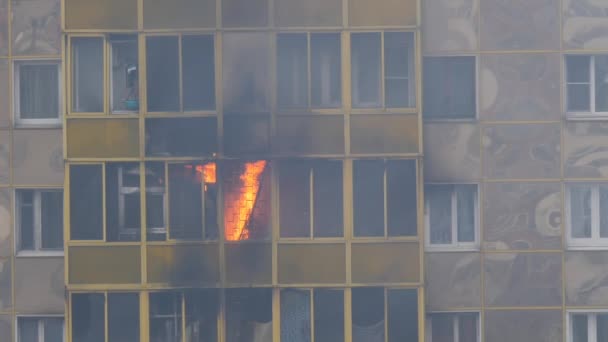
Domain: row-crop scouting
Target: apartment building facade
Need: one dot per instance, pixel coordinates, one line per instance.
(288, 170)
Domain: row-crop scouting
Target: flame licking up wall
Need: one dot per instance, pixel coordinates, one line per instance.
(208, 172)
(239, 210)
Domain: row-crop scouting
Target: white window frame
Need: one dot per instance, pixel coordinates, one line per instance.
(455, 244)
(40, 326)
(595, 241)
(455, 324)
(37, 209)
(591, 323)
(592, 113)
(16, 103)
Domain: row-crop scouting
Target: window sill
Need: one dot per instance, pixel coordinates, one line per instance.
(449, 120)
(39, 254)
(587, 116)
(37, 125)
(587, 248)
(451, 249)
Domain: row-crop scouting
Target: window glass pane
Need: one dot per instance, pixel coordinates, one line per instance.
(249, 315)
(52, 219)
(579, 328)
(368, 191)
(295, 315)
(28, 329)
(38, 91)
(88, 317)
(577, 69)
(124, 75)
(465, 201)
(155, 201)
(449, 87)
(442, 328)
(185, 203)
(209, 178)
(580, 211)
(327, 188)
(87, 75)
(401, 198)
(198, 72)
(86, 202)
(602, 327)
(26, 219)
(201, 315)
(368, 314)
(294, 198)
(366, 66)
(603, 210)
(398, 69)
(329, 315)
(165, 317)
(123, 205)
(440, 213)
(579, 97)
(53, 330)
(162, 58)
(402, 315)
(601, 83)
(123, 317)
(326, 70)
(467, 327)
(292, 70)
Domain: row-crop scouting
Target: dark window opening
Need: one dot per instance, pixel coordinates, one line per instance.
(198, 72)
(202, 308)
(124, 73)
(449, 87)
(249, 315)
(88, 317)
(123, 204)
(326, 70)
(368, 314)
(292, 69)
(329, 315)
(162, 62)
(86, 204)
(165, 317)
(123, 317)
(156, 194)
(399, 69)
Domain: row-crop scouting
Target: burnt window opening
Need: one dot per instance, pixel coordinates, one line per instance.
(297, 315)
(246, 187)
(156, 199)
(86, 202)
(88, 317)
(87, 74)
(299, 87)
(249, 315)
(377, 82)
(311, 199)
(449, 87)
(39, 220)
(124, 73)
(246, 72)
(385, 198)
(376, 310)
(197, 68)
(181, 137)
(123, 317)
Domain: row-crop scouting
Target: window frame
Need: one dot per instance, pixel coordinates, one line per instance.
(19, 121)
(143, 73)
(592, 114)
(37, 223)
(40, 321)
(595, 241)
(455, 244)
(591, 323)
(311, 212)
(386, 233)
(455, 324)
(309, 65)
(412, 79)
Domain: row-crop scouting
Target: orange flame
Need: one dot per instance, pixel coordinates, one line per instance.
(208, 171)
(237, 214)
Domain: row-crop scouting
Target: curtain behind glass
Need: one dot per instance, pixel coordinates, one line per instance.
(295, 315)
(38, 91)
